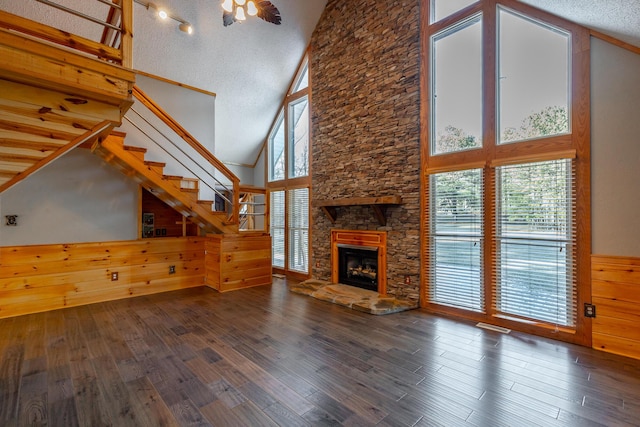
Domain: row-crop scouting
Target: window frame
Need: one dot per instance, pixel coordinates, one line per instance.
(576, 144)
(288, 184)
(270, 160)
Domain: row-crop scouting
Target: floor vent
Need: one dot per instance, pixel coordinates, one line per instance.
(493, 328)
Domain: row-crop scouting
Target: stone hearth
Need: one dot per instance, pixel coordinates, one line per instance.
(350, 296)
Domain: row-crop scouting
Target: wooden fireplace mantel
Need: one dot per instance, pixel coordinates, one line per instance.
(378, 205)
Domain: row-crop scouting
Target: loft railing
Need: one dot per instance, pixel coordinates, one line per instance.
(106, 27)
(253, 209)
(193, 157)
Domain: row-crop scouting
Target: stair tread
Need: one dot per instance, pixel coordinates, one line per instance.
(152, 163)
(133, 148)
(173, 177)
(183, 201)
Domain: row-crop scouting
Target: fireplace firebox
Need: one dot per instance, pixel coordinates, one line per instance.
(358, 266)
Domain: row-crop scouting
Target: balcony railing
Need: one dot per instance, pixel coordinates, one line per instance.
(98, 28)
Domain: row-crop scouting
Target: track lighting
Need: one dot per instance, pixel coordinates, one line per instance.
(183, 25)
(186, 27)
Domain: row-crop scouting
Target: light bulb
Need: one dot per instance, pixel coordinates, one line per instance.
(162, 14)
(252, 10)
(186, 27)
(227, 5)
(240, 2)
(240, 16)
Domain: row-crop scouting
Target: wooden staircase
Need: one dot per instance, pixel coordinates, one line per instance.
(38, 126)
(178, 192)
(57, 91)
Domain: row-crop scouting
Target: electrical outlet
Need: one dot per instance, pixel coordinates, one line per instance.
(589, 310)
(114, 276)
(172, 269)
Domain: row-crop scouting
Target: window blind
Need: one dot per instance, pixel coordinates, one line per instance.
(277, 228)
(535, 242)
(299, 229)
(456, 239)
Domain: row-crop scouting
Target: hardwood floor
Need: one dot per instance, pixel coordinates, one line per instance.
(265, 356)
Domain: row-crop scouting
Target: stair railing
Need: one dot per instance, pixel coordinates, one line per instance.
(227, 193)
(117, 29)
(253, 208)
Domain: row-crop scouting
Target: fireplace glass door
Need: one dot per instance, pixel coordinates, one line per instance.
(358, 266)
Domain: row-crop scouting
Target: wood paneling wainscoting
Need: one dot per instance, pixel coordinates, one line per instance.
(47, 277)
(238, 261)
(616, 295)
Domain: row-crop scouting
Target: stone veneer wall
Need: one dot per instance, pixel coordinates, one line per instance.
(366, 128)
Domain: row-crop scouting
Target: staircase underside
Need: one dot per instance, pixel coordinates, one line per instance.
(149, 174)
(37, 126)
(51, 100)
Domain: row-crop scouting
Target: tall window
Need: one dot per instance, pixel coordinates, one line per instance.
(277, 219)
(457, 87)
(299, 137)
(299, 230)
(504, 167)
(535, 241)
(288, 179)
(456, 239)
(276, 151)
(533, 77)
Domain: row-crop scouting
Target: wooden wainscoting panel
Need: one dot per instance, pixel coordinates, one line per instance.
(238, 261)
(47, 277)
(615, 291)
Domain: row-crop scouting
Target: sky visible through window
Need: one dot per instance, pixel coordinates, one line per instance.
(533, 74)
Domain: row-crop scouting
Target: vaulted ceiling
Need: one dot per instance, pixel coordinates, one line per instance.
(250, 65)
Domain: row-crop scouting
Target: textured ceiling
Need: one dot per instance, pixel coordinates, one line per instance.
(250, 65)
(617, 18)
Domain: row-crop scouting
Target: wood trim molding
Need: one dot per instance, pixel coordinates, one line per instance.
(615, 41)
(175, 83)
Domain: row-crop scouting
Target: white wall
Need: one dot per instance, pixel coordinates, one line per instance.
(193, 110)
(259, 171)
(615, 142)
(77, 198)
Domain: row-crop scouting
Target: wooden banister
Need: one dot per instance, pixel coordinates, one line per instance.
(197, 146)
(126, 28)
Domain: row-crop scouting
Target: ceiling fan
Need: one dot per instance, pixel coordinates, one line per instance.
(237, 10)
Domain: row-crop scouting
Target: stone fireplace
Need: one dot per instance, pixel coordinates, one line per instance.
(365, 116)
(358, 258)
